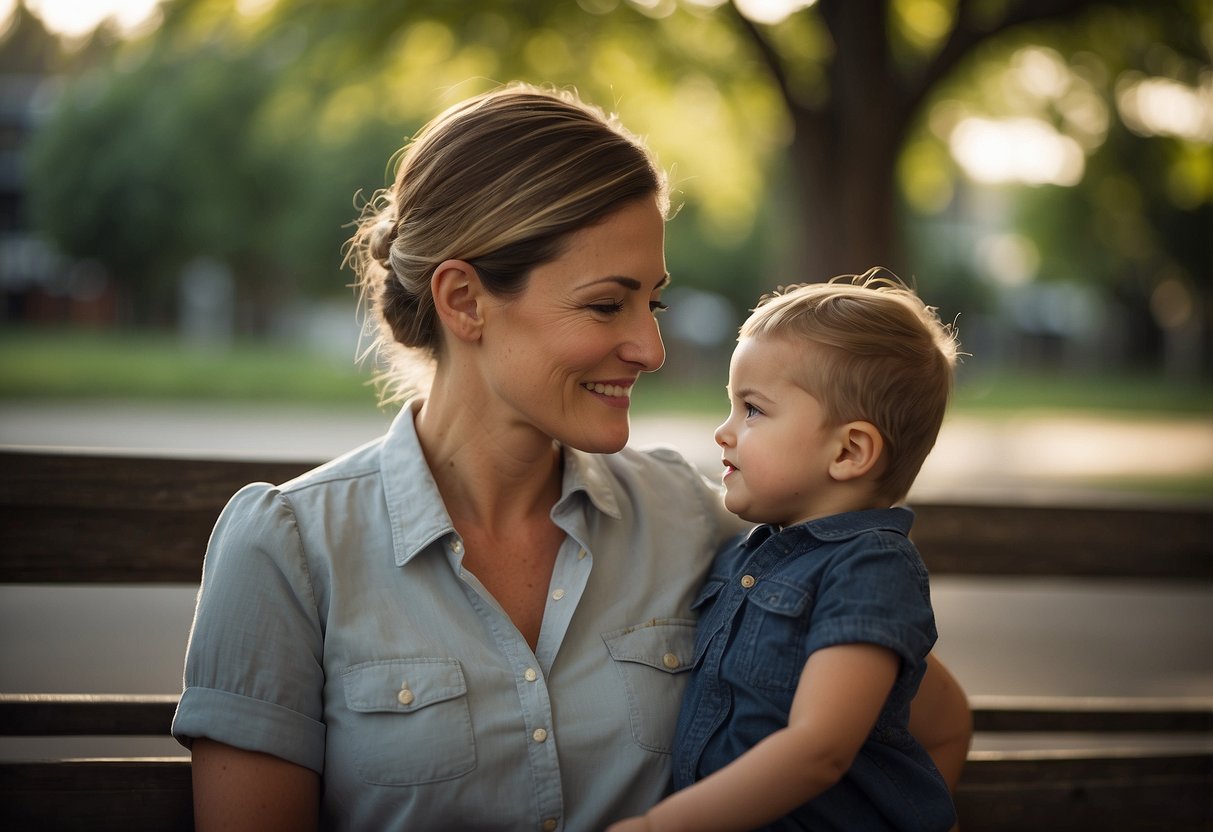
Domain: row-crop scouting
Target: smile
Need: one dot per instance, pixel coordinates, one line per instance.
(613, 390)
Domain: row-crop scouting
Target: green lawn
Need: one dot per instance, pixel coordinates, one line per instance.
(81, 365)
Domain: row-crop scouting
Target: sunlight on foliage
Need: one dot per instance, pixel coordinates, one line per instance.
(923, 23)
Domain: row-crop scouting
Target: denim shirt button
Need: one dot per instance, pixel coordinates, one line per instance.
(748, 581)
(670, 660)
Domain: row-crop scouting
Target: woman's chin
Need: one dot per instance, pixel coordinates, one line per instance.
(601, 442)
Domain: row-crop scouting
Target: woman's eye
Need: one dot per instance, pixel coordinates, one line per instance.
(656, 306)
(611, 308)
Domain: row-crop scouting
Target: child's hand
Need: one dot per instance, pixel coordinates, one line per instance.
(638, 824)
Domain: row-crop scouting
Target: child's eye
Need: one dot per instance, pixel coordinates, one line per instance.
(750, 410)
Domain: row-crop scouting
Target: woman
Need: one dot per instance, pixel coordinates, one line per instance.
(482, 619)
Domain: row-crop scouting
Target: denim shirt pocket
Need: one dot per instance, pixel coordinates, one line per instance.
(773, 633)
(652, 660)
(411, 721)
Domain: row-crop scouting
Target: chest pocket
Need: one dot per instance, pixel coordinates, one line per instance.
(652, 660)
(411, 723)
(774, 626)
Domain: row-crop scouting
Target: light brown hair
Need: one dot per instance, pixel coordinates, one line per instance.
(886, 358)
(501, 181)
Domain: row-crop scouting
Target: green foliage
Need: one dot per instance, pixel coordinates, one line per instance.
(244, 138)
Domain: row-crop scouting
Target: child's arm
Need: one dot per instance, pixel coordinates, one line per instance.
(838, 699)
(941, 721)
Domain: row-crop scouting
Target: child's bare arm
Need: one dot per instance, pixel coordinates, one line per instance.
(838, 698)
(941, 721)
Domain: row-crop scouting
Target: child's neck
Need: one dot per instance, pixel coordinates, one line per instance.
(842, 501)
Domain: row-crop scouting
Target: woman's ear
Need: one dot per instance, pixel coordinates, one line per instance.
(458, 295)
(859, 450)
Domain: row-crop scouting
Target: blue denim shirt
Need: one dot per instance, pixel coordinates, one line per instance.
(774, 597)
(337, 628)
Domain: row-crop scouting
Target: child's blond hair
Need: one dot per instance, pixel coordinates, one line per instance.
(886, 359)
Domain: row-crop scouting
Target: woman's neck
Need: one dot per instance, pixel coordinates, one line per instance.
(490, 473)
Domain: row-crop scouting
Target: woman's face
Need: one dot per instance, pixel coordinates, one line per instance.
(565, 353)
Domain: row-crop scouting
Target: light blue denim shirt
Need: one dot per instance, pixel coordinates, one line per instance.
(336, 628)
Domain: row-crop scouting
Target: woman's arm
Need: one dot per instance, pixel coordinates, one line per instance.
(838, 699)
(236, 789)
(941, 721)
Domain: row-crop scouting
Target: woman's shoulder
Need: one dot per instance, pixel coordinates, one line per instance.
(362, 461)
(660, 462)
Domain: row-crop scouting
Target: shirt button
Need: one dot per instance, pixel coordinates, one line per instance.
(540, 735)
(529, 674)
(670, 661)
(557, 595)
(550, 825)
(405, 697)
(748, 581)
(580, 555)
(457, 547)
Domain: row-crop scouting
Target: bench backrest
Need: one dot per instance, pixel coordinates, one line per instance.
(110, 518)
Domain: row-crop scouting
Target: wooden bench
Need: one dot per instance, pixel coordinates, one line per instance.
(82, 518)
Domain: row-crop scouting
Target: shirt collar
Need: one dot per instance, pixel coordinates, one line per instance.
(588, 473)
(415, 507)
(838, 527)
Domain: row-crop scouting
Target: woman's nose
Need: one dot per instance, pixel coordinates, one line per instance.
(645, 347)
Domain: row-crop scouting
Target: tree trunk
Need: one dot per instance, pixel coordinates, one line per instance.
(844, 152)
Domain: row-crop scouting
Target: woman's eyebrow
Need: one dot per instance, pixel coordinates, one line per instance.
(629, 282)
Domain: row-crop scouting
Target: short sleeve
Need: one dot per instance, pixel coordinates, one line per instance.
(254, 677)
(875, 592)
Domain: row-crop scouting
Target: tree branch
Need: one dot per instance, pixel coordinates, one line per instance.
(966, 35)
(766, 52)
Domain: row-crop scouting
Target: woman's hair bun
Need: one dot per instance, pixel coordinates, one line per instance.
(382, 235)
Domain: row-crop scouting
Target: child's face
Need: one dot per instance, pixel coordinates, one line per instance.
(777, 446)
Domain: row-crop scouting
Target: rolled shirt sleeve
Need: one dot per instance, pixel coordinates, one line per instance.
(254, 671)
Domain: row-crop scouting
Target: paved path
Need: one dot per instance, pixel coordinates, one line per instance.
(1037, 456)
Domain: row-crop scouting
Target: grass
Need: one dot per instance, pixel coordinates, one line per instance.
(81, 365)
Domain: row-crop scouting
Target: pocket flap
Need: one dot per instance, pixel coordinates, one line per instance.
(779, 598)
(711, 588)
(402, 685)
(664, 644)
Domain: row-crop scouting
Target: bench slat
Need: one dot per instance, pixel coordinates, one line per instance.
(1087, 714)
(1005, 792)
(1066, 541)
(79, 714)
(107, 518)
(85, 715)
(998, 793)
(122, 795)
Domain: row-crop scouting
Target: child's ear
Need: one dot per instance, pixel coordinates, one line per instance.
(458, 295)
(860, 447)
